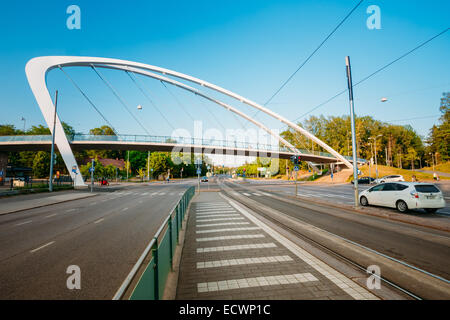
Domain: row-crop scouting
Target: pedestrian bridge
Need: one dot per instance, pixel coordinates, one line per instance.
(165, 144)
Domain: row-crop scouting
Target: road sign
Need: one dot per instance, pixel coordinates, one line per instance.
(199, 171)
(151, 169)
(295, 168)
(91, 169)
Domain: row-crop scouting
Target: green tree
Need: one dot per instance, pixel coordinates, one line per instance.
(439, 137)
(41, 164)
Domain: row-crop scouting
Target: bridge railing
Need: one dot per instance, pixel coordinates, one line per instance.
(150, 284)
(246, 145)
(26, 138)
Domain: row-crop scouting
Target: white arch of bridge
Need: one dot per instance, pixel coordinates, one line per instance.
(37, 69)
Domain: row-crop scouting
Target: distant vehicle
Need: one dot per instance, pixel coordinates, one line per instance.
(204, 179)
(365, 180)
(404, 196)
(391, 178)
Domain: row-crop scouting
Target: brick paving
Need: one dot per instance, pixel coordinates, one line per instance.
(251, 262)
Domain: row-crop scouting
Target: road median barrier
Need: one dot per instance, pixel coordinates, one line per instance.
(147, 279)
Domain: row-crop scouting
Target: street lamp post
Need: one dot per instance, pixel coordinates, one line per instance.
(52, 153)
(128, 163)
(432, 160)
(376, 164)
(352, 118)
(148, 166)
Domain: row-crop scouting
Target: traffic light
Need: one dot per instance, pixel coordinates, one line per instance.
(295, 160)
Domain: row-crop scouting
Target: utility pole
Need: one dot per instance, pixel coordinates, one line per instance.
(376, 162)
(352, 119)
(24, 122)
(92, 174)
(148, 166)
(128, 163)
(52, 153)
(386, 152)
(370, 161)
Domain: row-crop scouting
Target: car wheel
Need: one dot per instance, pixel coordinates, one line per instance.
(402, 206)
(364, 202)
(430, 210)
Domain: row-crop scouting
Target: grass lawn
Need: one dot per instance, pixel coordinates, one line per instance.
(442, 167)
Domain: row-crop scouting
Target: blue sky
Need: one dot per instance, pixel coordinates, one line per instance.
(249, 47)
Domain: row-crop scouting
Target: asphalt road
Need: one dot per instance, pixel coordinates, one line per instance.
(342, 193)
(104, 235)
(424, 248)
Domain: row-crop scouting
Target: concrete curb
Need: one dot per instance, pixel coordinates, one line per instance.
(48, 204)
(421, 284)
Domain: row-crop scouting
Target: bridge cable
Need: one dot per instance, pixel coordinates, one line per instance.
(373, 73)
(119, 98)
(310, 56)
(90, 101)
(177, 100)
(134, 78)
(209, 111)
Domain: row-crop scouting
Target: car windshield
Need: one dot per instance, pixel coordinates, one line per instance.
(426, 188)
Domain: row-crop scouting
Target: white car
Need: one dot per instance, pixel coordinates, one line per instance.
(391, 178)
(404, 196)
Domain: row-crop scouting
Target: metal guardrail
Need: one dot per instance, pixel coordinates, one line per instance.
(152, 281)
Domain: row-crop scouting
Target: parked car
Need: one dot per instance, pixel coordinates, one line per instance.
(365, 180)
(204, 179)
(404, 196)
(391, 178)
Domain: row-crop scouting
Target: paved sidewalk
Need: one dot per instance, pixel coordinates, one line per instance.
(14, 204)
(229, 254)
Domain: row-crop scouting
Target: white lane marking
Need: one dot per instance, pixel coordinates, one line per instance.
(346, 284)
(220, 215)
(221, 224)
(124, 209)
(215, 210)
(70, 210)
(22, 223)
(162, 193)
(219, 219)
(43, 246)
(180, 194)
(105, 200)
(228, 230)
(212, 207)
(172, 194)
(254, 282)
(140, 201)
(242, 261)
(237, 247)
(257, 194)
(93, 203)
(145, 193)
(50, 215)
(99, 220)
(246, 194)
(212, 204)
(245, 236)
(154, 193)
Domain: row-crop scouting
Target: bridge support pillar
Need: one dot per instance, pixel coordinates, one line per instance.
(3, 165)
